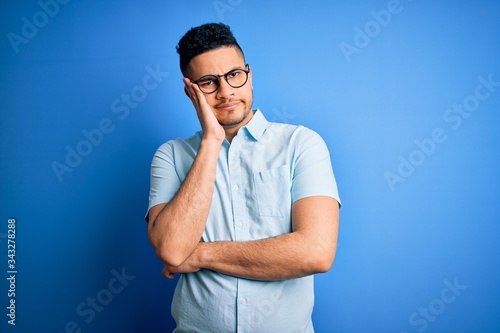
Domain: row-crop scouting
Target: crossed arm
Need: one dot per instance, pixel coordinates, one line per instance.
(175, 228)
(310, 248)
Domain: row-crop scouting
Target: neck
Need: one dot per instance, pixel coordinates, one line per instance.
(231, 131)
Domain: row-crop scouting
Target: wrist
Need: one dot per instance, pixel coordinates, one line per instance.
(215, 140)
(203, 255)
(211, 141)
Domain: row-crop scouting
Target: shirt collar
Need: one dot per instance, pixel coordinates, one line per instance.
(257, 125)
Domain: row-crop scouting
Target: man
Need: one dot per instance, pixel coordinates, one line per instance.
(246, 210)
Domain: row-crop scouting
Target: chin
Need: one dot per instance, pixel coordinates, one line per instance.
(235, 118)
(231, 123)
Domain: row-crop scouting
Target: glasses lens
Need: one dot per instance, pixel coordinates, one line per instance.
(237, 78)
(208, 84)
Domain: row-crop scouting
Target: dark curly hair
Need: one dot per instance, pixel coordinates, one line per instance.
(206, 37)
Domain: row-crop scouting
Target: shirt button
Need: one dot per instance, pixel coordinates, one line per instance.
(235, 187)
(240, 223)
(232, 154)
(243, 301)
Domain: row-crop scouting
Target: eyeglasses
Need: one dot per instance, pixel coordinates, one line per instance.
(236, 78)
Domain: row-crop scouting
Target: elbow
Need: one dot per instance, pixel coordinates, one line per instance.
(170, 256)
(168, 253)
(323, 265)
(323, 261)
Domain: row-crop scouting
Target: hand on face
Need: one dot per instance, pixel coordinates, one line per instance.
(209, 124)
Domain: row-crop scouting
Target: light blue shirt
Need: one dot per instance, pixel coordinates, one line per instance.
(265, 169)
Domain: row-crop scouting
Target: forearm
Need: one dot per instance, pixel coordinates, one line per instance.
(310, 248)
(176, 230)
(283, 257)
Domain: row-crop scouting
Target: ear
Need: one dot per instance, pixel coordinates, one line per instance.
(250, 76)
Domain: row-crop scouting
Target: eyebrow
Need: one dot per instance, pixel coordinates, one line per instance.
(237, 67)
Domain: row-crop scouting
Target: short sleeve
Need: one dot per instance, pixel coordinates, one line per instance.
(164, 181)
(312, 170)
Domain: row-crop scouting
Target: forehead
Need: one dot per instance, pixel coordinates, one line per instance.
(218, 61)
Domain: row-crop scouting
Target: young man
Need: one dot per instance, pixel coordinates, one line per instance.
(246, 210)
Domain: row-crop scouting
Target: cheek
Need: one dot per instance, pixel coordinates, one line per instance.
(211, 100)
(247, 94)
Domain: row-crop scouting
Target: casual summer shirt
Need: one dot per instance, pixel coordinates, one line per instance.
(266, 168)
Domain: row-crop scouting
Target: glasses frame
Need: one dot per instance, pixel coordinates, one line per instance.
(217, 77)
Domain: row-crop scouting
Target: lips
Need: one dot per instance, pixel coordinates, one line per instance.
(227, 106)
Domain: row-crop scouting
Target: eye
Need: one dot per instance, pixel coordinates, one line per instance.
(207, 82)
(233, 74)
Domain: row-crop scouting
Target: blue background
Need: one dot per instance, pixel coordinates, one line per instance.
(402, 243)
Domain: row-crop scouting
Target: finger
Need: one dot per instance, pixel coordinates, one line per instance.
(196, 94)
(167, 273)
(192, 89)
(188, 89)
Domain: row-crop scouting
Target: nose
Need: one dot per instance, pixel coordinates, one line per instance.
(225, 90)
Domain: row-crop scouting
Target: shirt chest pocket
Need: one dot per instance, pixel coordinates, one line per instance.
(272, 191)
